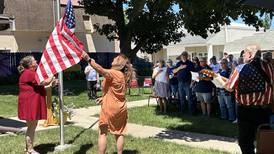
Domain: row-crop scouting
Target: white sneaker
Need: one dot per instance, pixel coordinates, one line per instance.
(235, 121)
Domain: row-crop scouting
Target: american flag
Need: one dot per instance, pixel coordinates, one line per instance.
(63, 48)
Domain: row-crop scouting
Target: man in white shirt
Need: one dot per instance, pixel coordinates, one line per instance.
(92, 77)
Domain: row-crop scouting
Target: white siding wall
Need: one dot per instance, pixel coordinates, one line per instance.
(218, 51)
(7, 42)
(234, 34)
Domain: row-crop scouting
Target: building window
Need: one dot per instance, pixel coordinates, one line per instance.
(86, 17)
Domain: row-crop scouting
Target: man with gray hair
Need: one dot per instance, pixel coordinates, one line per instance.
(252, 83)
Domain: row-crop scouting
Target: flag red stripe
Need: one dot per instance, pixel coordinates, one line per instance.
(61, 37)
(43, 71)
(73, 48)
(75, 39)
(71, 60)
(56, 52)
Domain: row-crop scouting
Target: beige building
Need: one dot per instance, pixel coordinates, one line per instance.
(264, 39)
(213, 45)
(34, 20)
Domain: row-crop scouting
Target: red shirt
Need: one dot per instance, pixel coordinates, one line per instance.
(31, 98)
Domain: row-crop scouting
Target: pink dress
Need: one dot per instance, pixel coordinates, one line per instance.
(31, 98)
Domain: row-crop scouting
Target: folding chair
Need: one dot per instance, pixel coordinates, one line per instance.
(134, 85)
(152, 96)
(265, 139)
(147, 84)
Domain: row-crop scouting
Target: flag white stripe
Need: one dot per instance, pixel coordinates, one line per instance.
(71, 40)
(60, 49)
(254, 97)
(46, 66)
(234, 80)
(39, 73)
(53, 58)
(72, 53)
(269, 95)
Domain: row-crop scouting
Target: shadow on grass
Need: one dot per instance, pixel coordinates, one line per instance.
(45, 148)
(129, 152)
(191, 137)
(84, 148)
(49, 147)
(196, 123)
(80, 133)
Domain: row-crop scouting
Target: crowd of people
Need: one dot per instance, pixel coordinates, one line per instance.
(246, 82)
(244, 90)
(174, 80)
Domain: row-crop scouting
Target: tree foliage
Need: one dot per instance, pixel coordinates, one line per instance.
(151, 24)
(201, 17)
(267, 22)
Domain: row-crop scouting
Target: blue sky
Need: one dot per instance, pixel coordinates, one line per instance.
(241, 21)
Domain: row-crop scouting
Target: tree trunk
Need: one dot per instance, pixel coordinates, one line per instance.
(123, 32)
(125, 46)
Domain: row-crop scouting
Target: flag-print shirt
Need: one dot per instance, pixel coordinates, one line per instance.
(255, 98)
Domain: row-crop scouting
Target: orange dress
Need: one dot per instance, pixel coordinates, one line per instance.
(114, 108)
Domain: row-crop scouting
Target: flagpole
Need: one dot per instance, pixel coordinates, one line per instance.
(62, 146)
(60, 89)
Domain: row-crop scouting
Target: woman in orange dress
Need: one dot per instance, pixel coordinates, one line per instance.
(113, 115)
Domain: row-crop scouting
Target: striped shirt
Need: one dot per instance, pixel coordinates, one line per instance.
(254, 98)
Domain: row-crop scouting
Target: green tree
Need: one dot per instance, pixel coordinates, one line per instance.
(267, 22)
(150, 24)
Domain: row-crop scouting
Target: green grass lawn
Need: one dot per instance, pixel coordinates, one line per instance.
(178, 121)
(85, 141)
(8, 96)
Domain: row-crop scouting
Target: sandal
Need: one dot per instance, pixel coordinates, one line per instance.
(32, 152)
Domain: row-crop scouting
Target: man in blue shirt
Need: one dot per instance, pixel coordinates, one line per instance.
(173, 82)
(224, 96)
(182, 71)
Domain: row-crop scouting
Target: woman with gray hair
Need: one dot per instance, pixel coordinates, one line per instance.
(161, 84)
(31, 99)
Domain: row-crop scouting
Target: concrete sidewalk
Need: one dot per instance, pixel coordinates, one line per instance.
(84, 117)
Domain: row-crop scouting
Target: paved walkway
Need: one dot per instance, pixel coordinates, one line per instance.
(84, 117)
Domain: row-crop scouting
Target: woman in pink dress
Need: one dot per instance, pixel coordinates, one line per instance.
(31, 99)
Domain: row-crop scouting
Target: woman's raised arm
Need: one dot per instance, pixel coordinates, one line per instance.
(96, 66)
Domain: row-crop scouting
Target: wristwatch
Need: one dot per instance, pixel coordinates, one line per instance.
(90, 59)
